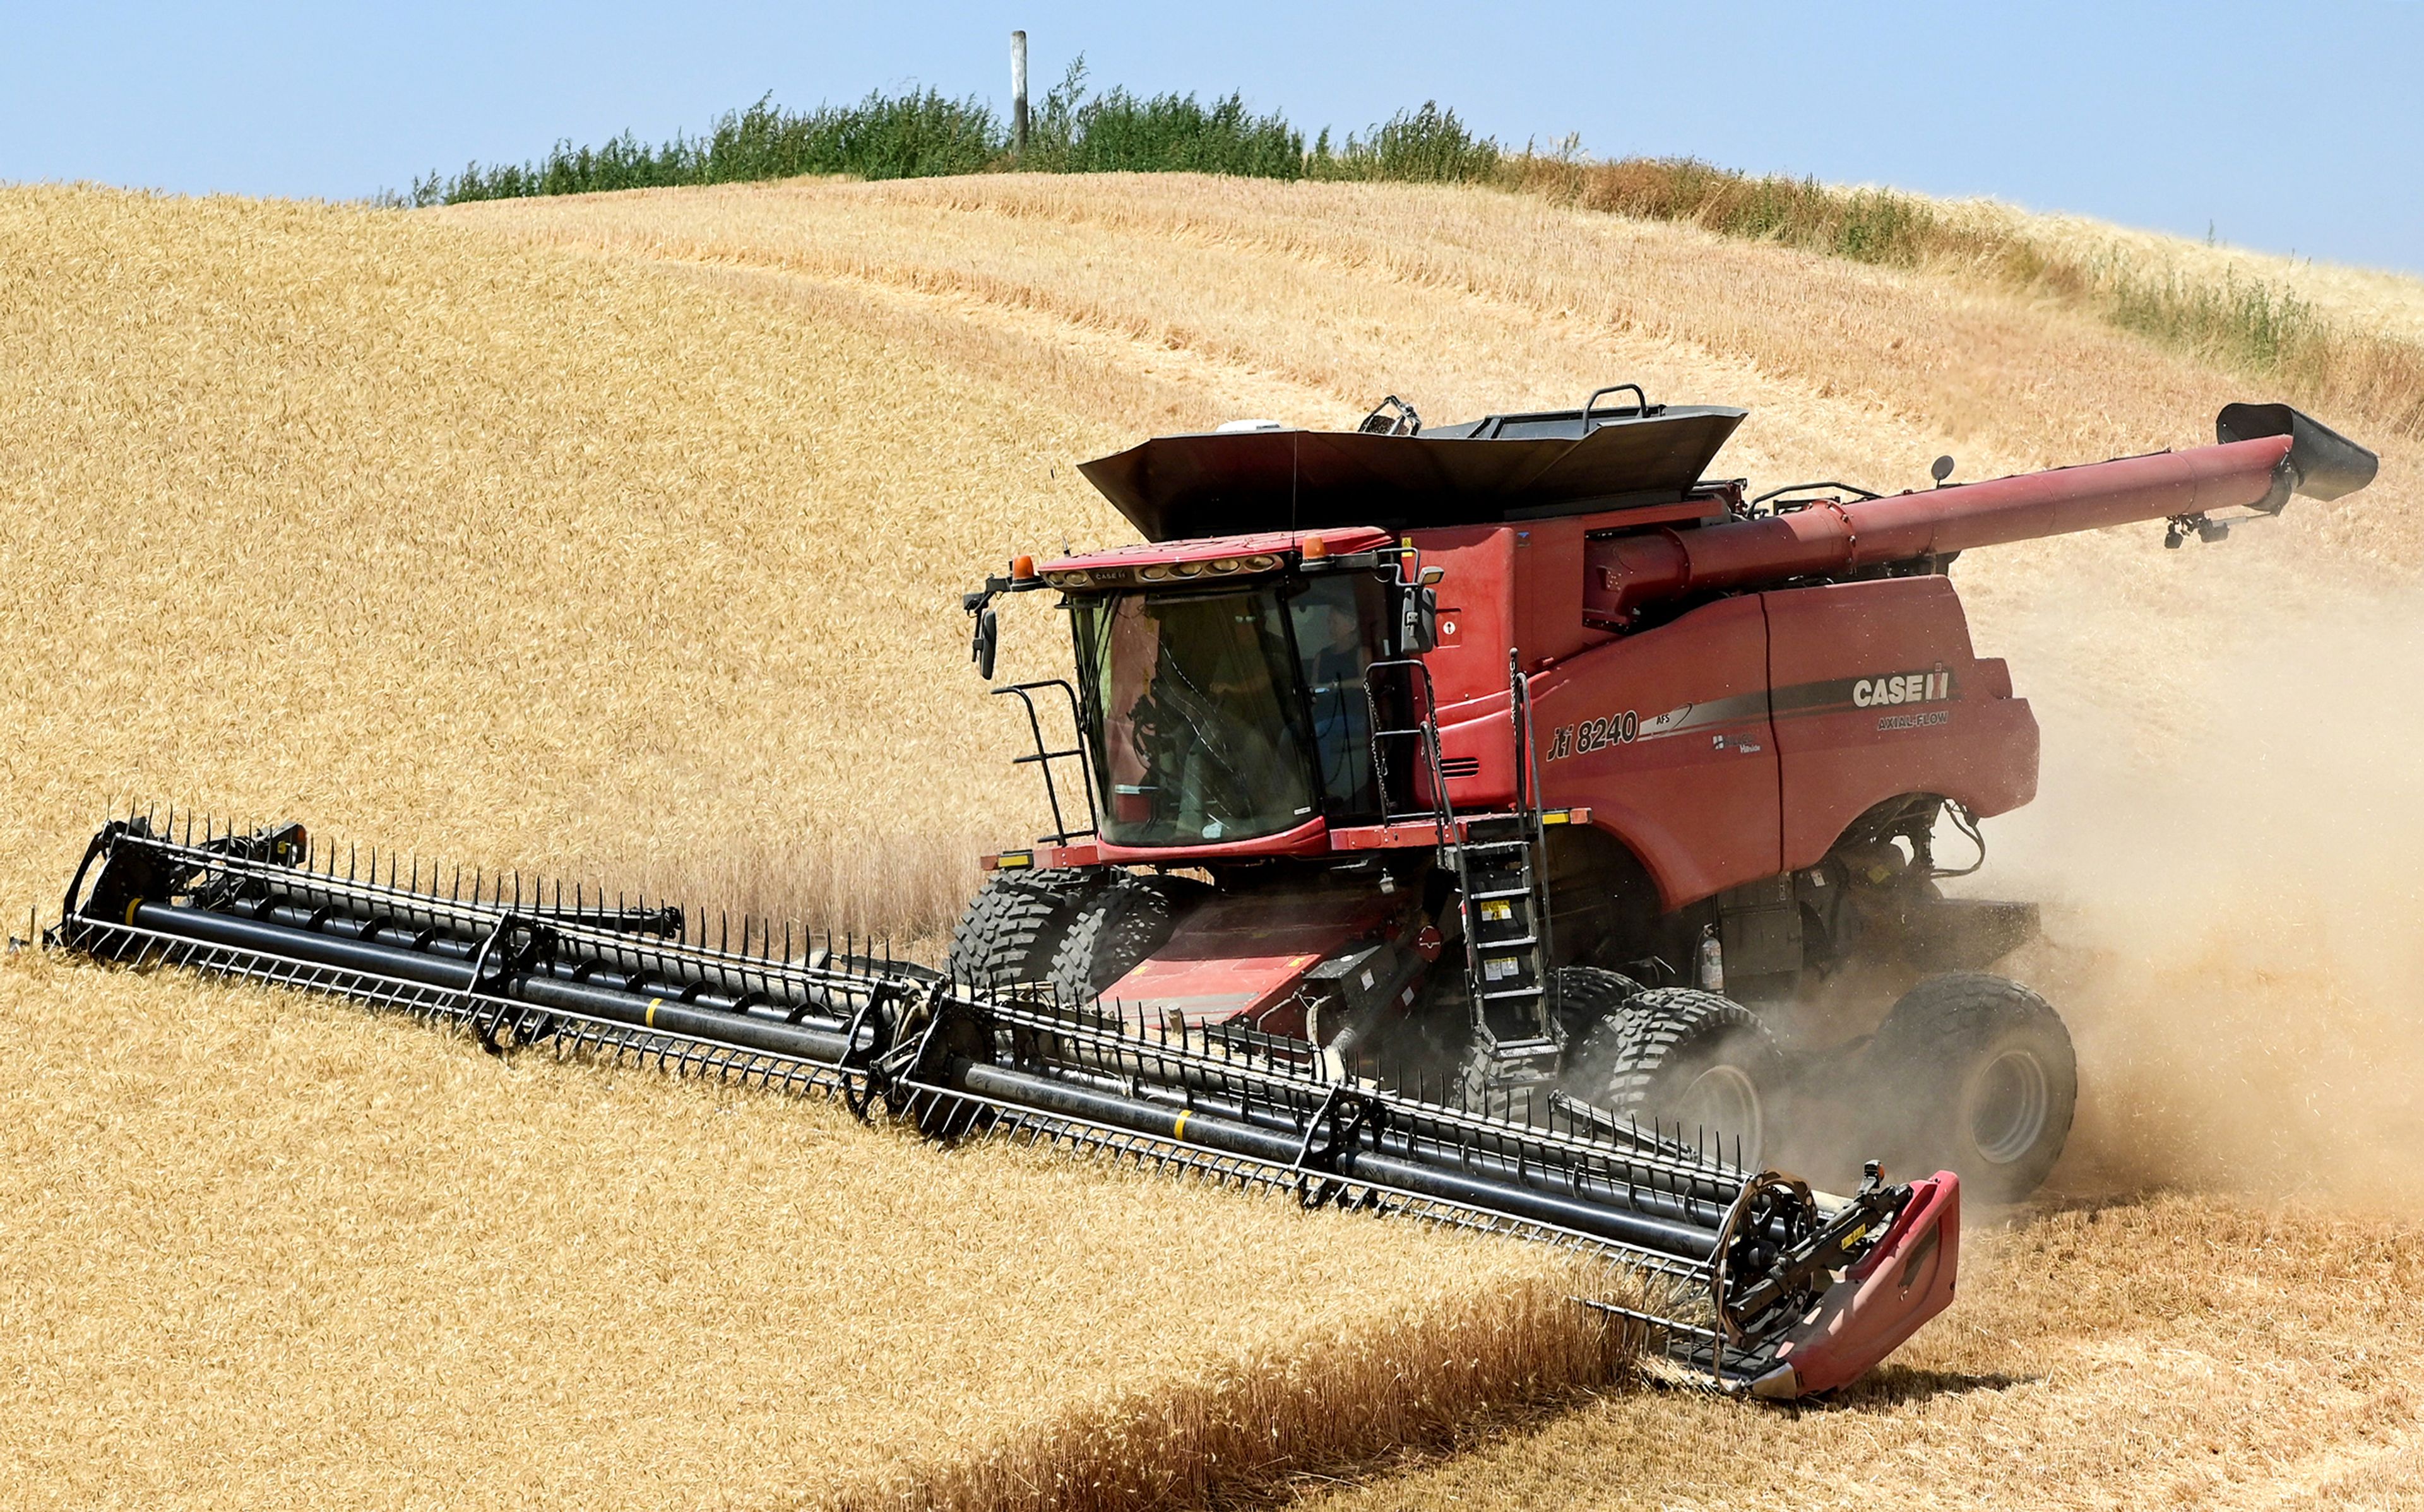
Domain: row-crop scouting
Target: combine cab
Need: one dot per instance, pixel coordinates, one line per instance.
(1518, 762)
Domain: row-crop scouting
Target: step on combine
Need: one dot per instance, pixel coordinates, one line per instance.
(1467, 815)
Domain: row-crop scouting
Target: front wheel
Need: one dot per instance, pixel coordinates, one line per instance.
(1585, 996)
(1989, 1076)
(1015, 926)
(1117, 926)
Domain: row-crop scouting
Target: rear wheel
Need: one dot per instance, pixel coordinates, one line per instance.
(1113, 930)
(1988, 1073)
(1586, 995)
(1015, 926)
(1684, 1061)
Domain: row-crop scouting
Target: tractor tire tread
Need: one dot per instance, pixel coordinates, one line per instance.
(1014, 927)
(1113, 928)
(1949, 1020)
(1589, 996)
(1659, 1026)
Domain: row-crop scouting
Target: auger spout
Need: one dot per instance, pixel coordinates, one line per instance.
(1834, 536)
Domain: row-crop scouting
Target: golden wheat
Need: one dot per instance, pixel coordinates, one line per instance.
(372, 522)
(1465, 300)
(2364, 298)
(263, 1250)
(620, 534)
(2177, 1352)
(353, 517)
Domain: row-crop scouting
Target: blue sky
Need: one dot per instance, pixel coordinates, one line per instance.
(2282, 127)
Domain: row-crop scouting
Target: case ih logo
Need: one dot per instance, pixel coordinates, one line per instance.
(1905, 688)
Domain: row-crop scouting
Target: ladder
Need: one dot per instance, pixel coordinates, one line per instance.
(1500, 862)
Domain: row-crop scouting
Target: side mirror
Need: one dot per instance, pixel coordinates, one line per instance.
(1418, 632)
(983, 644)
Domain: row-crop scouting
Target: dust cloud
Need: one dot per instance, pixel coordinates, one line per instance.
(2235, 916)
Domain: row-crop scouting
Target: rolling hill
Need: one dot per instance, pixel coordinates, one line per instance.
(618, 536)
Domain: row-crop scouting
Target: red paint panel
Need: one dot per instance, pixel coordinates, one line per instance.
(1855, 729)
(1425, 833)
(1665, 735)
(1907, 1280)
(1478, 594)
(1549, 572)
(1241, 954)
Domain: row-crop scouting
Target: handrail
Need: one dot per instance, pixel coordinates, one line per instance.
(1527, 808)
(1044, 758)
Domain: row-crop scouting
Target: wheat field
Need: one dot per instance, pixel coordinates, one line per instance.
(374, 522)
(618, 536)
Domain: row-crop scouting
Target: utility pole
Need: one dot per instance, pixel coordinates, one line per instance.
(1018, 94)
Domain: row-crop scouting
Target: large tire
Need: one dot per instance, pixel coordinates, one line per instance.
(1677, 1055)
(1588, 996)
(1987, 1073)
(1015, 924)
(1115, 927)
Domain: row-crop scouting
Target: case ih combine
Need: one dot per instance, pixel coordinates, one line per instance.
(1519, 758)
(1502, 826)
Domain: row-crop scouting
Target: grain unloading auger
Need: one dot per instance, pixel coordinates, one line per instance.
(1768, 1286)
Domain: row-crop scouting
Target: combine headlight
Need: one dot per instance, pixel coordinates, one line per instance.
(1156, 573)
(1076, 579)
(1187, 569)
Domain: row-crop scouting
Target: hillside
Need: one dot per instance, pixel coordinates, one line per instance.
(344, 516)
(1187, 300)
(620, 534)
(2366, 298)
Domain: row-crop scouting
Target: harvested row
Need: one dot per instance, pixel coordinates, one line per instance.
(2181, 1351)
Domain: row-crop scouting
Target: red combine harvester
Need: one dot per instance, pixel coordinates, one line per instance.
(1483, 825)
(1519, 758)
